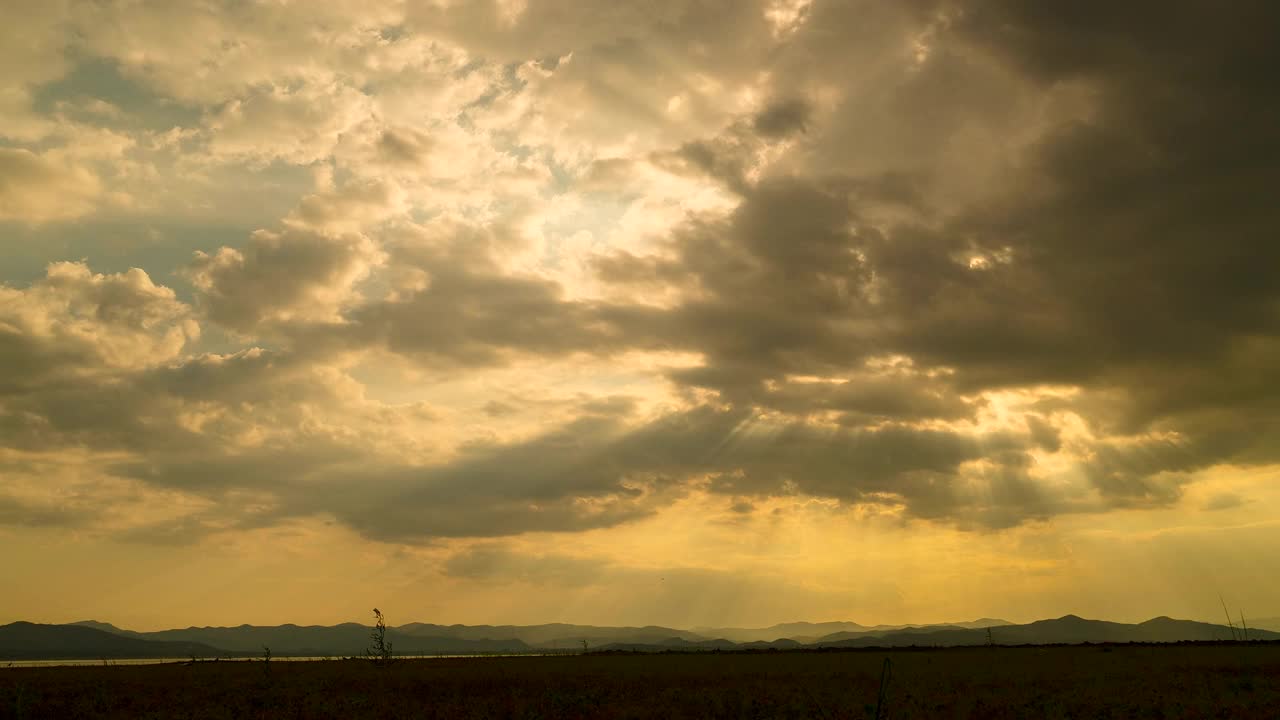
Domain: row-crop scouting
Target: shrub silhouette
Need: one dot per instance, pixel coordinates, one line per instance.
(379, 649)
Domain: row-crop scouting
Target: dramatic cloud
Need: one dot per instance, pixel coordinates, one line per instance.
(281, 276)
(483, 280)
(75, 320)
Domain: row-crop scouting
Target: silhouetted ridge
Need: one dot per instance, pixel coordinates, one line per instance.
(90, 639)
(32, 641)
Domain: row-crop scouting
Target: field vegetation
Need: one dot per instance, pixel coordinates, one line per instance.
(1227, 680)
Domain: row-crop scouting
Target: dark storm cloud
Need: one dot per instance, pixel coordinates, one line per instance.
(1141, 253)
(1140, 222)
(1133, 243)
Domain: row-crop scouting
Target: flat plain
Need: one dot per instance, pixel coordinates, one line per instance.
(1092, 681)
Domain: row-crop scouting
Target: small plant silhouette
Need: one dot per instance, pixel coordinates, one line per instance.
(266, 664)
(379, 649)
(882, 708)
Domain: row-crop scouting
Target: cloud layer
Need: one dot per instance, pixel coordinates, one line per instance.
(480, 270)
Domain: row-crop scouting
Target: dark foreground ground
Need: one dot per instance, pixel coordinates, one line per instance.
(1182, 681)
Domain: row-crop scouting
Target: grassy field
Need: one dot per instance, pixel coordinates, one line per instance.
(1176, 681)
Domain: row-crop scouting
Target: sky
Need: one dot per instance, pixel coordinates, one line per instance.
(683, 312)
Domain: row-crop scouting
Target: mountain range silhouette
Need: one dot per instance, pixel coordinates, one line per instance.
(92, 640)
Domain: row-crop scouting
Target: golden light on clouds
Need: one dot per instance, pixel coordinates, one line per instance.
(727, 312)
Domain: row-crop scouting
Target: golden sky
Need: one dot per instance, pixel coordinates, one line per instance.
(685, 312)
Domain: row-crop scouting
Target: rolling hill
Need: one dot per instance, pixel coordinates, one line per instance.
(346, 639)
(552, 635)
(92, 639)
(32, 641)
(1069, 629)
(806, 632)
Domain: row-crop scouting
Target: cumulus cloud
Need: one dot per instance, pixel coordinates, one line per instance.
(670, 66)
(231, 48)
(351, 208)
(76, 321)
(37, 188)
(296, 125)
(969, 262)
(293, 274)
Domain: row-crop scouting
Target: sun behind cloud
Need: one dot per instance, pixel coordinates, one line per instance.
(683, 313)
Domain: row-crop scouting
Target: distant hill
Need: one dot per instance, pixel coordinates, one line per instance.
(795, 630)
(552, 635)
(346, 639)
(908, 630)
(93, 639)
(807, 632)
(1267, 623)
(981, 623)
(105, 627)
(31, 641)
(1069, 629)
(680, 644)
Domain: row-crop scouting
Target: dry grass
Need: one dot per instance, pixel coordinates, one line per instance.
(1200, 681)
